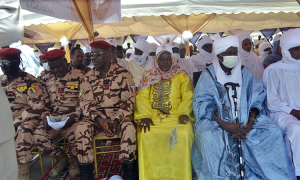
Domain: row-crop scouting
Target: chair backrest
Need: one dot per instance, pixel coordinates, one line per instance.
(196, 76)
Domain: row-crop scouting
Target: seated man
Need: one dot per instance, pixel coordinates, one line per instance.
(164, 100)
(77, 60)
(107, 96)
(283, 92)
(26, 100)
(182, 62)
(61, 89)
(119, 56)
(233, 137)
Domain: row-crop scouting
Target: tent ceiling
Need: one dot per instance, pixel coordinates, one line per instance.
(155, 25)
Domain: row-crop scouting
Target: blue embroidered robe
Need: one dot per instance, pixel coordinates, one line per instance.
(215, 153)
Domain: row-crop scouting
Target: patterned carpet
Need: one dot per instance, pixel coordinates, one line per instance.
(108, 165)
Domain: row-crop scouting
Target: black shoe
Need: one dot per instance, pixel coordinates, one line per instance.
(130, 170)
(86, 171)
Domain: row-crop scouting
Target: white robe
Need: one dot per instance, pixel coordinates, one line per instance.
(122, 62)
(283, 95)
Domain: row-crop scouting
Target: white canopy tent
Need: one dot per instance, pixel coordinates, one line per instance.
(144, 18)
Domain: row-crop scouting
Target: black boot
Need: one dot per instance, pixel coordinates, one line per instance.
(130, 170)
(86, 171)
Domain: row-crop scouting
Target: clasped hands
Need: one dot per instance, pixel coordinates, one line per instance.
(234, 128)
(145, 123)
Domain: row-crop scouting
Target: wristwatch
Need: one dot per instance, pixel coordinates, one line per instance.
(253, 119)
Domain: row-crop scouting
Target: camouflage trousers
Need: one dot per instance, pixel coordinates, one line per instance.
(24, 141)
(87, 129)
(44, 140)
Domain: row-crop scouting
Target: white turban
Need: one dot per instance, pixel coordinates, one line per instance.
(205, 56)
(143, 45)
(112, 42)
(153, 47)
(262, 47)
(290, 39)
(204, 40)
(220, 45)
(181, 46)
(86, 50)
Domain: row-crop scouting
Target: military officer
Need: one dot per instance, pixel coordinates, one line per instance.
(26, 100)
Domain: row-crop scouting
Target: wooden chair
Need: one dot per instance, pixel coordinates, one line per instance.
(35, 150)
(101, 136)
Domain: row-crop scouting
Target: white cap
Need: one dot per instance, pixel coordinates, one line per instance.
(86, 50)
(143, 45)
(112, 42)
(164, 47)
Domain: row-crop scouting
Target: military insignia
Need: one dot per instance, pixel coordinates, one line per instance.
(81, 92)
(21, 89)
(10, 94)
(106, 84)
(72, 85)
(133, 89)
(33, 89)
(60, 90)
(163, 47)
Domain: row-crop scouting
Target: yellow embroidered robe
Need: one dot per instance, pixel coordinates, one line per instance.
(164, 102)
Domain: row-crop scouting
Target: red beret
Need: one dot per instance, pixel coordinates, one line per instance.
(101, 44)
(54, 54)
(42, 56)
(10, 52)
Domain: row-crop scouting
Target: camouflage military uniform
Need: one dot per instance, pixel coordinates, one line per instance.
(61, 99)
(109, 97)
(26, 100)
(84, 68)
(42, 76)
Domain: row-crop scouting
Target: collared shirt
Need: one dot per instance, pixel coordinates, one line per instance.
(111, 96)
(41, 77)
(61, 94)
(25, 97)
(83, 68)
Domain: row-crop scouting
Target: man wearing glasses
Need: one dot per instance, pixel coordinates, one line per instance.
(107, 98)
(25, 96)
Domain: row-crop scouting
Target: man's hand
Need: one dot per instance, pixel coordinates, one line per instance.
(183, 119)
(234, 128)
(71, 120)
(145, 123)
(45, 123)
(248, 127)
(295, 113)
(115, 127)
(104, 123)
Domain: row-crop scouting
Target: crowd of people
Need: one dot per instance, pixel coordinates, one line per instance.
(227, 112)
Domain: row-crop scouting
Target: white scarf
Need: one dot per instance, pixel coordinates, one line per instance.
(140, 59)
(131, 52)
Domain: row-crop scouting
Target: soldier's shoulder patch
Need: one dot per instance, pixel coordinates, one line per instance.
(81, 93)
(21, 89)
(33, 89)
(133, 89)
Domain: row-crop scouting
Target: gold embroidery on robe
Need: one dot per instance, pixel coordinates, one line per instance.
(161, 98)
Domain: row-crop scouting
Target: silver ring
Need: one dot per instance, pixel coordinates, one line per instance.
(144, 124)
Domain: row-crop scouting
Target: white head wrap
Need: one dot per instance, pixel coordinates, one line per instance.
(144, 46)
(262, 47)
(112, 42)
(131, 52)
(205, 56)
(250, 59)
(164, 47)
(181, 46)
(153, 47)
(220, 45)
(290, 39)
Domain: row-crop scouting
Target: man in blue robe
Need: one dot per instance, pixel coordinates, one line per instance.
(227, 91)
